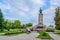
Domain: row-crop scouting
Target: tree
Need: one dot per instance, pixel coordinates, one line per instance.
(57, 18)
(12, 25)
(17, 24)
(29, 24)
(23, 26)
(1, 20)
(4, 23)
(7, 24)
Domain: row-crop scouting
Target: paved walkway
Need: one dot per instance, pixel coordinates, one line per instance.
(31, 36)
(55, 36)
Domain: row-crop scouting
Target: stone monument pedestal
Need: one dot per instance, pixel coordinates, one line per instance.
(39, 28)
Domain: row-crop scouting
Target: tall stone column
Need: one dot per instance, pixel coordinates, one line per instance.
(40, 19)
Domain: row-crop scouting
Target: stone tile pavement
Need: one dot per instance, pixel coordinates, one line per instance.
(31, 36)
(54, 36)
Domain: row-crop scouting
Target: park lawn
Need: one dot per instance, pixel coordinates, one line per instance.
(57, 32)
(12, 32)
(49, 30)
(3, 32)
(41, 35)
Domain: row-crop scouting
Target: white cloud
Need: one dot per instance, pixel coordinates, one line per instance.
(39, 3)
(55, 3)
(20, 9)
(49, 13)
(16, 7)
(4, 7)
(36, 6)
(21, 5)
(49, 16)
(10, 18)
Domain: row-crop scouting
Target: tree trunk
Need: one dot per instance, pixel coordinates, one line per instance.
(1, 29)
(8, 29)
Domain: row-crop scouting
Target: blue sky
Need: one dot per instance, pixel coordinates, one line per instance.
(27, 10)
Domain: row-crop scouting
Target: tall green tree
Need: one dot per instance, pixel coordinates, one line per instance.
(23, 26)
(7, 24)
(13, 25)
(17, 24)
(1, 20)
(57, 18)
(29, 24)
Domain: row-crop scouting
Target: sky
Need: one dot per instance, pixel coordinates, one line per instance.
(27, 10)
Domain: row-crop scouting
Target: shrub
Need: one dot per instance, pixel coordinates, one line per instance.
(57, 31)
(44, 35)
(49, 30)
(12, 32)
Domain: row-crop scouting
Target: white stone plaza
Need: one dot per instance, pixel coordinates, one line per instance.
(31, 36)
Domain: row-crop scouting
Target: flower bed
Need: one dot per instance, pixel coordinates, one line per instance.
(44, 36)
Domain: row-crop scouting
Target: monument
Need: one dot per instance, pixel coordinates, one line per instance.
(40, 21)
(39, 27)
(40, 18)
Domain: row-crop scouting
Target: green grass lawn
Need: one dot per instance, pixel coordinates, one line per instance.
(12, 32)
(44, 35)
(49, 30)
(3, 32)
(57, 32)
